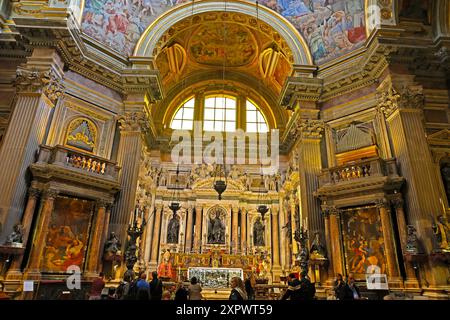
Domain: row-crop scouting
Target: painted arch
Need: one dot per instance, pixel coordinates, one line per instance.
(331, 28)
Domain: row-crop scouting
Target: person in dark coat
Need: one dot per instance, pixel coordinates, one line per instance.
(353, 287)
(156, 287)
(249, 286)
(143, 288)
(182, 293)
(341, 289)
(295, 290)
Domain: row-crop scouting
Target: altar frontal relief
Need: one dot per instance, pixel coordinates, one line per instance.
(363, 241)
(67, 234)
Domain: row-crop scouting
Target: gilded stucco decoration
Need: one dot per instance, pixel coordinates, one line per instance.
(82, 134)
(37, 81)
(406, 97)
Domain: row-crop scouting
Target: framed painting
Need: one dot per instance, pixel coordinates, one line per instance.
(363, 242)
(68, 234)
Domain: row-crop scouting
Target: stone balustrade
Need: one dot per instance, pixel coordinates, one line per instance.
(374, 167)
(79, 161)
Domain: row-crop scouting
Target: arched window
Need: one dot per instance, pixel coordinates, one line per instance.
(220, 114)
(184, 117)
(255, 119)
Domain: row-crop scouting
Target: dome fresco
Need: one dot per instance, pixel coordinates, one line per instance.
(331, 28)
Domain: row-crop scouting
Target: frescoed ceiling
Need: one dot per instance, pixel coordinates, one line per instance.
(331, 28)
(223, 42)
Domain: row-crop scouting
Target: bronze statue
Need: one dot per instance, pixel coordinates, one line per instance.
(317, 250)
(16, 236)
(216, 230)
(441, 232)
(112, 245)
(258, 233)
(412, 244)
(173, 229)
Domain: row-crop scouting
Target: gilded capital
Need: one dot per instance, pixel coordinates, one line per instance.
(35, 81)
(133, 121)
(50, 194)
(34, 192)
(406, 97)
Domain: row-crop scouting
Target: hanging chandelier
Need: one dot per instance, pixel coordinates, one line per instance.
(220, 181)
(262, 208)
(175, 203)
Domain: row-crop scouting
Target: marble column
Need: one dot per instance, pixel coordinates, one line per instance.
(150, 214)
(189, 227)
(287, 237)
(243, 230)
(39, 86)
(336, 245)
(276, 267)
(402, 102)
(293, 227)
(95, 240)
(129, 155)
(411, 279)
(328, 243)
(198, 229)
(14, 272)
(155, 243)
(310, 166)
(32, 271)
(389, 245)
(234, 229)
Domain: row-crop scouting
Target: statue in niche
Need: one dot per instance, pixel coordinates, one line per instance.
(163, 176)
(317, 250)
(173, 229)
(16, 237)
(112, 245)
(445, 172)
(258, 233)
(441, 231)
(216, 229)
(412, 243)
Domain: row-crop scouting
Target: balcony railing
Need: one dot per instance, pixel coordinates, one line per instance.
(374, 167)
(80, 161)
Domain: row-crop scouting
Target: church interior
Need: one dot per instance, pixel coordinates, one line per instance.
(115, 114)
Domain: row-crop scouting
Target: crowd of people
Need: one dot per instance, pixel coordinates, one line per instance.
(299, 288)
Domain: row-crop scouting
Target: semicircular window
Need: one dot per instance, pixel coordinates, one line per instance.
(82, 134)
(184, 117)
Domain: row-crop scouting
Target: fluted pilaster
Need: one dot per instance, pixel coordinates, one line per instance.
(198, 228)
(130, 148)
(155, 242)
(38, 86)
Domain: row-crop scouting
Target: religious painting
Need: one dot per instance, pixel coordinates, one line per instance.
(223, 43)
(120, 23)
(363, 241)
(216, 225)
(331, 28)
(417, 10)
(68, 234)
(82, 134)
(282, 70)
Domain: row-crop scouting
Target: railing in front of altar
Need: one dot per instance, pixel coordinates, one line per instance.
(374, 167)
